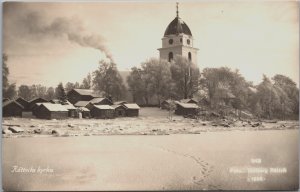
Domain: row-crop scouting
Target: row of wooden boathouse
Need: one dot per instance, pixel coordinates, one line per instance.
(95, 107)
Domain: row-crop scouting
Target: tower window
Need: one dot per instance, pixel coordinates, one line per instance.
(171, 41)
(170, 56)
(188, 41)
(190, 56)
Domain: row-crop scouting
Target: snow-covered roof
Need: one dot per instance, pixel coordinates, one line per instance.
(188, 100)
(55, 101)
(54, 107)
(86, 92)
(81, 103)
(131, 106)
(36, 105)
(103, 107)
(38, 100)
(69, 107)
(98, 99)
(188, 105)
(120, 102)
(116, 106)
(84, 109)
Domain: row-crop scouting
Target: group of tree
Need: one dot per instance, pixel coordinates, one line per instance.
(278, 98)
(8, 90)
(272, 98)
(86, 84)
(106, 81)
(161, 80)
(34, 91)
(221, 87)
(156, 79)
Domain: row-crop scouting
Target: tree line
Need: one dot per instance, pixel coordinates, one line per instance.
(215, 88)
(154, 79)
(164, 80)
(106, 81)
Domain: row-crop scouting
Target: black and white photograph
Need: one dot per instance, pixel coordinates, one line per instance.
(150, 95)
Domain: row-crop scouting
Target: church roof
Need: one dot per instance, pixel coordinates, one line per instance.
(177, 26)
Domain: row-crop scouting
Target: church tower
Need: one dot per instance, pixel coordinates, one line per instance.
(178, 40)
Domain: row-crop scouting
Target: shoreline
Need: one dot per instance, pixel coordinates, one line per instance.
(202, 130)
(73, 128)
(152, 121)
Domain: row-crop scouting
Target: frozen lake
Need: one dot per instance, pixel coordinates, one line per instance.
(181, 161)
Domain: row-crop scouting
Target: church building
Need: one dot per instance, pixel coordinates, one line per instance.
(178, 40)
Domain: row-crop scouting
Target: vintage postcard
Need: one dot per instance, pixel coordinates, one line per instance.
(117, 96)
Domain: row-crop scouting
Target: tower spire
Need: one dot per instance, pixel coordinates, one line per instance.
(177, 12)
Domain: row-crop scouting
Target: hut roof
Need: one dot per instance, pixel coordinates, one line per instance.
(97, 100)
(38, 100)
(6, 103)
(131, 106)
(188, 105)
(54, 107)
(81, 103)
(120, 102)
(84, 109)
(68, 103)
(103, 107)
(86, 92)
(116, 106)
(188, 100)
(55, 101)
(21, 99)
(37, 104)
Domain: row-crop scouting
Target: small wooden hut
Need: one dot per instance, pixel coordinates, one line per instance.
(35, 108)
(120, 110)
(76, 95)
(186, 108)
(51, 111)
(102, 112)
(23, 102)
(72, 111)
(132, 109)
(81, 103)
(12, 109)
(101, 101)
(34, 101)
(191, 100)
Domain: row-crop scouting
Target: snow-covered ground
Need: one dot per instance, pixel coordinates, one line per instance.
(152, 121)
(149, 152)
(147, 162)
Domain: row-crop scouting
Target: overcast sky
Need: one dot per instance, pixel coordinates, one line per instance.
(51, 42)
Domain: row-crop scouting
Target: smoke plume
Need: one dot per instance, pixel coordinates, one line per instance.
(71, 28)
